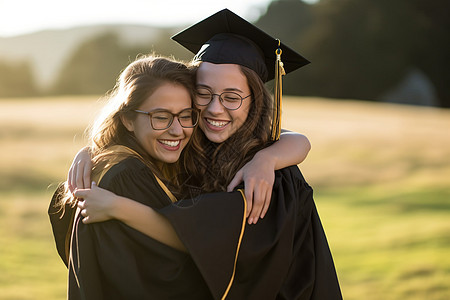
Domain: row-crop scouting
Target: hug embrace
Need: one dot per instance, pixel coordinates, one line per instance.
(195, 192)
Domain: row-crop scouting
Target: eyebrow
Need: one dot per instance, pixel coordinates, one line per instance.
(166, 110)
(225, 90)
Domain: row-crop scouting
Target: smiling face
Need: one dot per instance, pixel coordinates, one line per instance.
(163, 145)
(217, 122)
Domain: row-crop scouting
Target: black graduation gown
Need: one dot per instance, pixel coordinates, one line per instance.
(110, 260)
(284, 256)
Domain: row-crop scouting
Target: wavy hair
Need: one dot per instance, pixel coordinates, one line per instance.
(136, 83)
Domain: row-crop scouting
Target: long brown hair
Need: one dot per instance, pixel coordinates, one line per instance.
(135, 84)
(214, 165)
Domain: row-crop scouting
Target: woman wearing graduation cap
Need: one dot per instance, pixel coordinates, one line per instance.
(285, 255)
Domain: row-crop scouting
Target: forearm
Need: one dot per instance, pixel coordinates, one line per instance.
(146, 220)
(291, 149)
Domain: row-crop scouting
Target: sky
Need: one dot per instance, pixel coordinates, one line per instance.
(19, 17)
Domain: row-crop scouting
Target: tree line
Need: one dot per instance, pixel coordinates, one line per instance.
(359, 49)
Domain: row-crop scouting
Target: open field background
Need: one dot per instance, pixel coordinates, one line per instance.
(381, 175)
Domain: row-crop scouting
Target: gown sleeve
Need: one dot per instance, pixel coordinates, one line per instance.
(211, 226)
(284, 256)
(61, 221)
(130, 177)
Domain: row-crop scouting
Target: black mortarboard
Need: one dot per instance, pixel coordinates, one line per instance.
(227, 38)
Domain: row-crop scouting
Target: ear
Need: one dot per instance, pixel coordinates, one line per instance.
(127, 123)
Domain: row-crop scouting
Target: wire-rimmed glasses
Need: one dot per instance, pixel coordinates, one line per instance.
(230, 100)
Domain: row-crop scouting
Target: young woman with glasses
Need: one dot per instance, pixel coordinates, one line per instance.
(136, 144)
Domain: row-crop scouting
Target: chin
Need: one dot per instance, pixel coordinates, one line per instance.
(169, 159)
(215, 138)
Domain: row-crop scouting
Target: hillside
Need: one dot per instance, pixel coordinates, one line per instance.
(47, 50)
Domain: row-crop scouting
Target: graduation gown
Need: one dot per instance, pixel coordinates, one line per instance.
(284, 256)
(110, 260)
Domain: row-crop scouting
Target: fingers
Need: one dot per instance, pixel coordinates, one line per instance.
(83, 193)
(249, 199)
(262, 195)
(81, 205)
(266, 203)
(80, 170)
(86, 177)
(79, 176)
(258, 203)
(79, 193)
(258, 191)
(70, 178)
(238, 178)
(83, 212)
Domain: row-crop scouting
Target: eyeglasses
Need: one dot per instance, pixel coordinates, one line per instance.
(163, 119)
(230, 100)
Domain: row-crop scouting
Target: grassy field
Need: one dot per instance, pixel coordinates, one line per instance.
(381, 175)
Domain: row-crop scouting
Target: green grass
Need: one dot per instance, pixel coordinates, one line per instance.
(380, 174)
(389, 247)
(28, 260)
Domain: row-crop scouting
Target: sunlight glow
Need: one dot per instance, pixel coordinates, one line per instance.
(24, 16)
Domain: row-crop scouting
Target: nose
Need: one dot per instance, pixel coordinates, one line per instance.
(215, 106)
(175, 128)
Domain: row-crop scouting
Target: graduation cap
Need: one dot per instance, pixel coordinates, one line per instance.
(226, 38)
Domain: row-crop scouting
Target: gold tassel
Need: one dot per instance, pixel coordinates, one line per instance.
(279, 72)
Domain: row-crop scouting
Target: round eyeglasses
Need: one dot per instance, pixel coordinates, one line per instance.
(162, 119)
(230, 100)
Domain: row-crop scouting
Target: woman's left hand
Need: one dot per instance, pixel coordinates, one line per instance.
(97, 204)
(258, 176)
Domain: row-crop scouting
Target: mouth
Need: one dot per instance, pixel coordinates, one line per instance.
(172, 145)
(216, 124)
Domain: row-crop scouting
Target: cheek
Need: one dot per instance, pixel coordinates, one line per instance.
(241, 114)
(145, 135)
(202, 111)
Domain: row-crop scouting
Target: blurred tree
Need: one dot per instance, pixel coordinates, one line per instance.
(289, 20)
(94, 66)
(163, 45)
(433, 57)
(16, 79)
(286, 20)
(361, 48)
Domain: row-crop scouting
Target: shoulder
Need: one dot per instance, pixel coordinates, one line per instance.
(129, 163)
(291, 174)
(130, 170)
(133, 179)
(290, 185)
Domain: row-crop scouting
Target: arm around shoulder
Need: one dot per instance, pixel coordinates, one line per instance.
(291, 149)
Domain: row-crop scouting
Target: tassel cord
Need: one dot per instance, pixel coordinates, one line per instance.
(279, 72)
